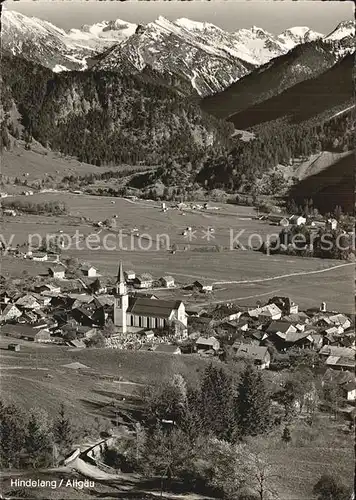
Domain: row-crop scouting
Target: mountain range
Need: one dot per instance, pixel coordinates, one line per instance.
(200, 54)
(161, 95)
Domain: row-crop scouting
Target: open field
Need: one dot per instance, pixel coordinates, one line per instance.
(37, 376)
(244, 275)
(40, 163)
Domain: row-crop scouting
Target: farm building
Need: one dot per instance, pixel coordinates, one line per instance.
(26, 332)
(167, 349)
(130, 275)
(167, 281)
(204, 344)
(57, 272)
(145, 280)
(88, 270)
(39, 256)
(259, 355)
(297, 220)
(11, 213)
(14, 347)
(202, 286)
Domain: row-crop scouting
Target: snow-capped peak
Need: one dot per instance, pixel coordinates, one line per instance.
(115, 31)
(299, 34)
(20, 22)
(188, 24)
(342, 30)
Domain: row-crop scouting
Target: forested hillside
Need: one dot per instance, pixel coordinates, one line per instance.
(105, 118)
(332, 90)
(303, 62)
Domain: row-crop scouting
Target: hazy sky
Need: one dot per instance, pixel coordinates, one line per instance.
(274, 16)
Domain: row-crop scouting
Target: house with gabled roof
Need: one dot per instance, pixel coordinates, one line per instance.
(340, 320)
(258, 355)
(340, 363)
(47, 288)
(168, 281)
(207, 344)
(9, 312)
(145, 280)
(88, 270)
(57, 271)
(28, 301)
(328, 350)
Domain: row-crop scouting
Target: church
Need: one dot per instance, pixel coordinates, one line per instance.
(146, 313)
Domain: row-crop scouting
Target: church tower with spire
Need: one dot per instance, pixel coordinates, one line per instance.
(121, 301)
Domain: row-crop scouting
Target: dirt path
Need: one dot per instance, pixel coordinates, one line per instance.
(282, 276)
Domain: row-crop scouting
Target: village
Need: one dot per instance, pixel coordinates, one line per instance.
(73, 305)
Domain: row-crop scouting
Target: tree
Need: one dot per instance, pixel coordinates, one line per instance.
(333, 397)
(165, 401)
(286, 436)
(217, 404)
(329, 488)
(12, 432)
(253, 403)
(261, 475)
(39, 438)
(166, 454)
(229, 471)
(63, 429)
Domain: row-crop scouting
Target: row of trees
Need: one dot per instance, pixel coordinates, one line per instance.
(46, 207)
(33, 440)
(218, 407)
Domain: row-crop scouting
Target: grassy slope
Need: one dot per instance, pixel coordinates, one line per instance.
(40, 162)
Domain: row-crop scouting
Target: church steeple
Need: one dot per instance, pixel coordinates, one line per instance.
(121, 301)
(120, 282)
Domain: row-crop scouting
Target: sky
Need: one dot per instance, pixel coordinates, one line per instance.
(230, 15)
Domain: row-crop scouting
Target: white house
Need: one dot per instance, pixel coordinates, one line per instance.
(331, 224)
(130, 275)
(88, 270)
(144, 281)
(9, 312)
(270, 311)
(57, 272)
(203, 287)
(167, 281)
(297, 220)
(349, 390)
